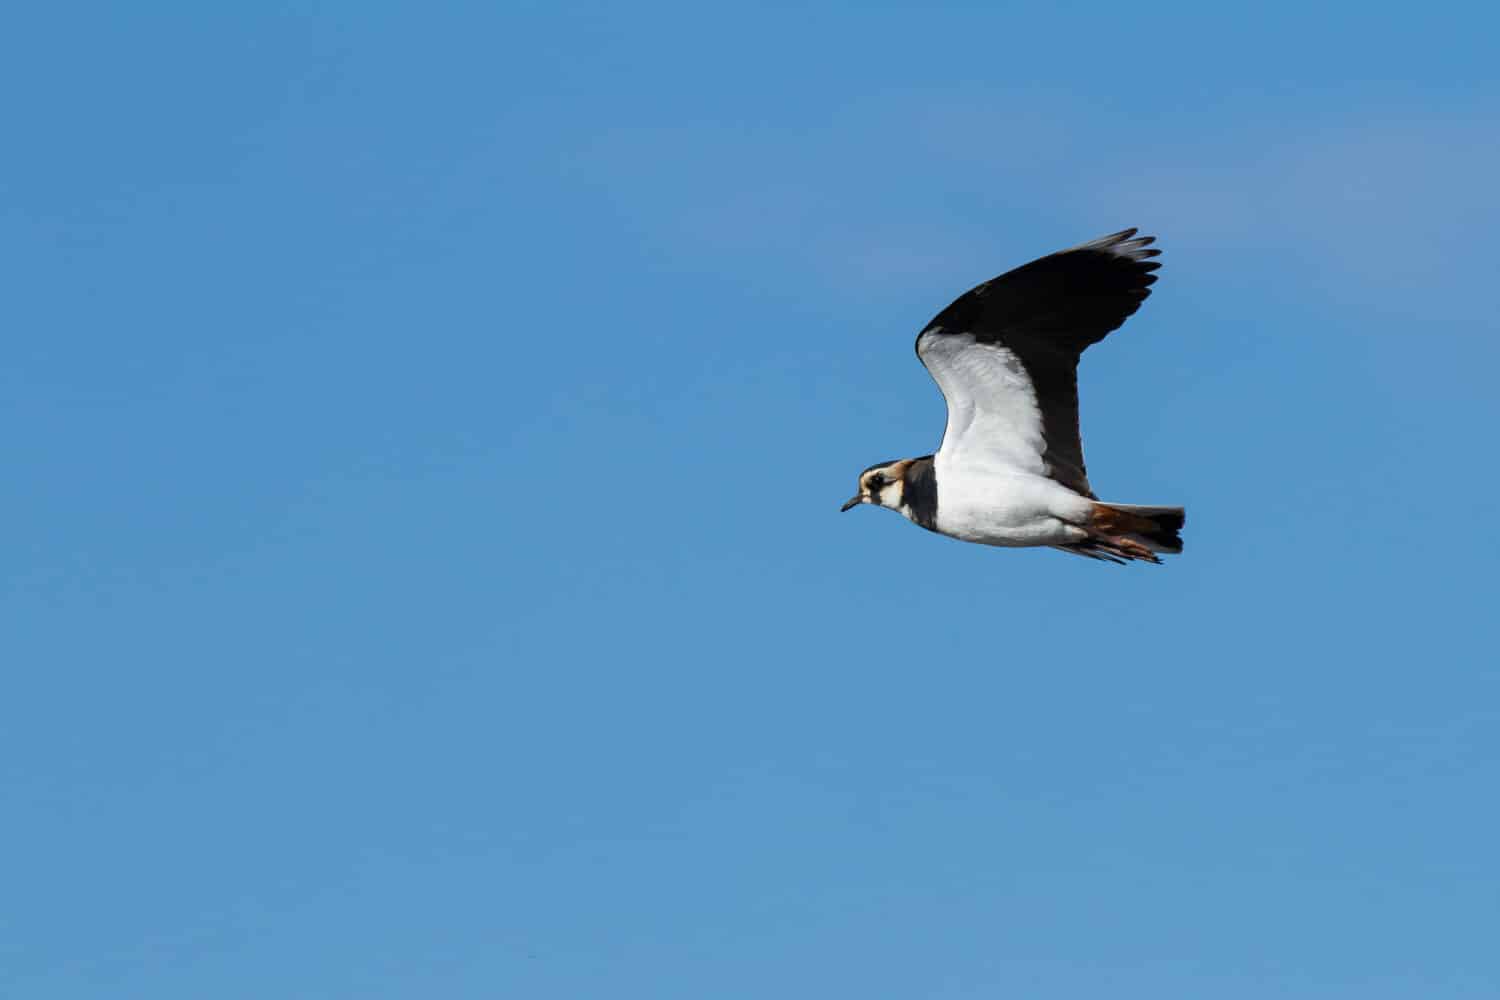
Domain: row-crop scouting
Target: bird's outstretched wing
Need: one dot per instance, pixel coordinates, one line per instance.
(1005, 354)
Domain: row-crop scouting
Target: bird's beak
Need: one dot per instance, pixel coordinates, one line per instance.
(854, 501)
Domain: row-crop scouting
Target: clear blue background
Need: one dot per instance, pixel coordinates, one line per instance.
(424, 428)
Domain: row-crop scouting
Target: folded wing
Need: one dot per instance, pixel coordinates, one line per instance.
(1005, 354)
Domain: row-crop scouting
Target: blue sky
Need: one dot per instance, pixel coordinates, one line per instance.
(425, 427)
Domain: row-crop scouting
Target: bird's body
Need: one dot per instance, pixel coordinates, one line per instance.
(997, 507)
(1010, 470)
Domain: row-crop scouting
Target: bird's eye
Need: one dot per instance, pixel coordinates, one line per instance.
(876, 482)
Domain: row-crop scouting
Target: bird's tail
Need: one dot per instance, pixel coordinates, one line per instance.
(1121, 532)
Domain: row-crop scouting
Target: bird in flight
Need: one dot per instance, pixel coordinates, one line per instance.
(1010, 469)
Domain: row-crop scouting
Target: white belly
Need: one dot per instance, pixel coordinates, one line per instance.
(994, 507)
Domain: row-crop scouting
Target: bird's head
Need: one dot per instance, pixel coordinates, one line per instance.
(881, 485)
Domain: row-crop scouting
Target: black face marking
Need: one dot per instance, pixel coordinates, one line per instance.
(919, 491)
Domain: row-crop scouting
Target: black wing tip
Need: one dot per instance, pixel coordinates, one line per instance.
(1119, 265)
(1125, 243)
